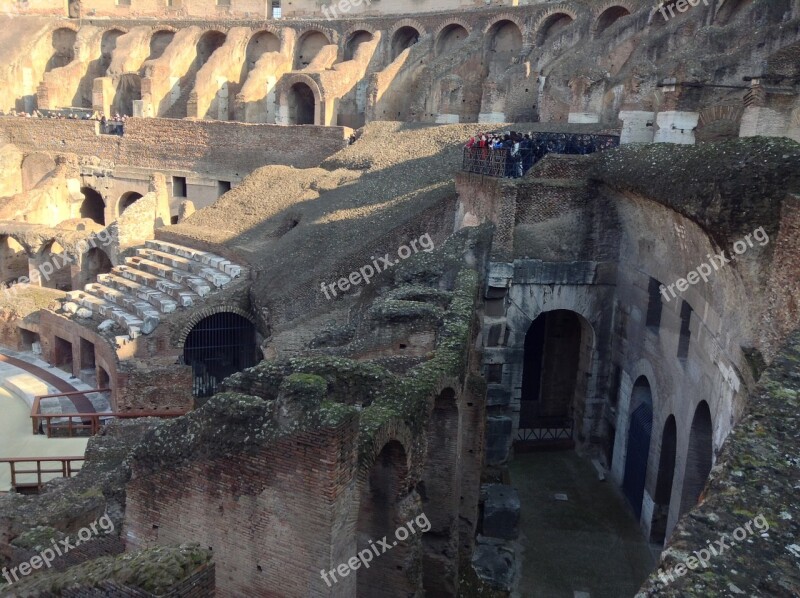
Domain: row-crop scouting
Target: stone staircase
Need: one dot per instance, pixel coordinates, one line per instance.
(161, 278)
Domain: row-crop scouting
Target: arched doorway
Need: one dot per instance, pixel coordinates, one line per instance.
(217, 346)
(93, 206)
(666, 473)
(450, 38)
(699, 457)
(63, 41)
(552, 27)
(378, 517)
(208, 43)
(159, 42)
(95, 262)
(439, 491)
(505, 44)
(640, 430)
(58, 273)
(557, 361)
(403, 38)
(108, 44)
(301, 105)
(355, 40)
(13, 260)
(129, 89)
(128, 199)
(610, 16)
(308, 47)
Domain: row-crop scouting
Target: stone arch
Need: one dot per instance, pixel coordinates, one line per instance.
(208, 43)
(558, 357)
(699, 457)
(355, 39)
(13, 260)
(55, 254)
(301, 104)
(402, 38)
(719, 122)
(309, 45)
(261, 42)
(126, 200)
(504, 41)
(204, 313)
(108, 43)
(216, 346)
(450, 36)
(382, 486)
(609, 17)
(160, 39)
(640, 427)
(552, 24)
(665, 477)
(95, 262)
(439, 490)
(93, 205)
(63, 42)
(288, 102)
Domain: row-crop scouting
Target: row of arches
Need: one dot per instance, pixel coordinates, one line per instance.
(93, 205)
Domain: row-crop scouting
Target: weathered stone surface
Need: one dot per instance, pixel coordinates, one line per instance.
(501, 510)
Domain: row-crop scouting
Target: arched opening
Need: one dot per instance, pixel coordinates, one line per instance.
(301, 105)
(13, 260)
(159, 42)
(93, 206)
(208, 43)
(552, 27)
(128, 199)
(58, 274)
(103, 379)
(439, 491)
(107, 45)
(610, 16)
(666, 473)
(557, 363)
(261, 43)
(129, 89)
(63, 41)
(699, 457)
(730, 10)
(356, 39)
(378, 517)
(96, 261)
(450, 38)
(308, 47)
(217, 346)
(640, 428)
(403, 38)
(505, 43)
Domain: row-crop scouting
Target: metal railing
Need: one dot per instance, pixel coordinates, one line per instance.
(546, 429)
(65, 469)
(504, 163)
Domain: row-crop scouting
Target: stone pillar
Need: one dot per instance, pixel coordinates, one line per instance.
(638, 126)
(676, 127)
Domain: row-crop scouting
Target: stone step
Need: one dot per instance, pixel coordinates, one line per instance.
(212, 275)
(204, 257)
(106, 309)
(161, 301)
(146, 312)
(184, 296)
(196, 284)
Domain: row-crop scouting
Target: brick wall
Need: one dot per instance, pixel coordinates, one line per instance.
(270, 516)
(170, 144)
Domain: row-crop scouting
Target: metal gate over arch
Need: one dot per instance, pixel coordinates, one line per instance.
(636, 459)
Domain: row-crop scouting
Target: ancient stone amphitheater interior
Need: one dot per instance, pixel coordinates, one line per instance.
(400, 299)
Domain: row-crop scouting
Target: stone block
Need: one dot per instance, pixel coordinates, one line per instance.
(495, 565)
(498, 439)
(501, 511)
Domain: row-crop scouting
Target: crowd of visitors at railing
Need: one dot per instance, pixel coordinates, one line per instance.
(513, 153)
(112, 126)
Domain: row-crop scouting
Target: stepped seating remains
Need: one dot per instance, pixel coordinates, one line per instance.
(161, 278)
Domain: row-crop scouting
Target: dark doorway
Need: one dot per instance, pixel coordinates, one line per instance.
(666, 473)
(639, 432)
(218, 346)
(301, 105)
(93, 206)
(127, 200)
(405, 37)
(698, 458)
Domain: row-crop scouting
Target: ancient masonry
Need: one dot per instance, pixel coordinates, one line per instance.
(181, 180)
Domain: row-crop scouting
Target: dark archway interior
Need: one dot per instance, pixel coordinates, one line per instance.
(207, 45)
(63, 49)
(552, 27)
(308, 48)
(96, 262)
(505, 43)
(450, 38)
(356, 39)
(550, 368)
(301, 105)
(609, 17)
(128, 199)
(218, 346)
(128, 90)
(638, 447)
(666, 473)
(698, 458)
(107, 46)
(13, 260)
(403, 38)
(93, 206)
(159, 42)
